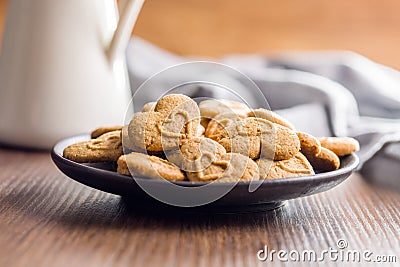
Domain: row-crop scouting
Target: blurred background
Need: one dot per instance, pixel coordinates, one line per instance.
(217, 27)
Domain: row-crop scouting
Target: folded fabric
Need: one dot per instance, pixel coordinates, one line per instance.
(325, 93)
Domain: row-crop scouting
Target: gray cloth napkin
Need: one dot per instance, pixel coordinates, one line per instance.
(325, 93)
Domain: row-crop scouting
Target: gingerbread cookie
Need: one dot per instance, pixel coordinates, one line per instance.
(200, 131)
(309, 144)
(142, 165)
(196, 155)
(144, 131)
(102, 130)
(212, 107)
(204, 122)
(253, 136)
(182, 119)
(231, 167)
(324, 161)
(241, 168)
(277, 140)
(170, 102)
(107, 147)
(341, 146)
(237, 135)
(149, 106)
(270, 116)
(155, 131)
(293, 167)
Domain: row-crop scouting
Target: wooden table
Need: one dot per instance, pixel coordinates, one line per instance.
(46, 219)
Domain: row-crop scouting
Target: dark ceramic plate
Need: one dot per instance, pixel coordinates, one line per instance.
(269, 194)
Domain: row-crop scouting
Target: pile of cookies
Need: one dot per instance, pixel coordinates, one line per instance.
(216, 140)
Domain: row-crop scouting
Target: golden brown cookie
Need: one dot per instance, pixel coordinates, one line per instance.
(341, 146)
(169, 102)
(293, 167)
(200, 130)
(144, 131)
(155, 132)
(287, 144)
(309, 144)
(102, 130)
(253, 136)
(270, 116)
(149, 106)
(196, 155)
(107, 147)
(241, 168)
(204, 122)
(212, 107)
(237, 135)
(126, 141)
(220, 125)
(325, 161)
(322, 159)
(142, 165)
(232, 167)
(182, 119)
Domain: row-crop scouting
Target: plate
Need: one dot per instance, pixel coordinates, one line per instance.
(270, 194)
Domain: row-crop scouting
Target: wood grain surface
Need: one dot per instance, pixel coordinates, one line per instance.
(218, 27)
(47, 219)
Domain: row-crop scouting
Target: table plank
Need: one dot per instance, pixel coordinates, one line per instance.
(47, 219)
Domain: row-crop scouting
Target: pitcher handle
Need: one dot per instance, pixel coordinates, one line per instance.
(128, 17)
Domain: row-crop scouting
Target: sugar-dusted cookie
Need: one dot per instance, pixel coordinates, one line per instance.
(149, 106)
(142, 165)
(107, 147)
(293, 167)
(102, 130)
(341, 146)
(270, 116)
(212, 107)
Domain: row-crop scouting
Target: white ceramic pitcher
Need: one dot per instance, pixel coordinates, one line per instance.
(62, 68)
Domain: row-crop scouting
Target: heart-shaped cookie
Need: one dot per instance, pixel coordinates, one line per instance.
(175, 117)
(293, 167)
(142, 165)
(253, 137)
(107, 147)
